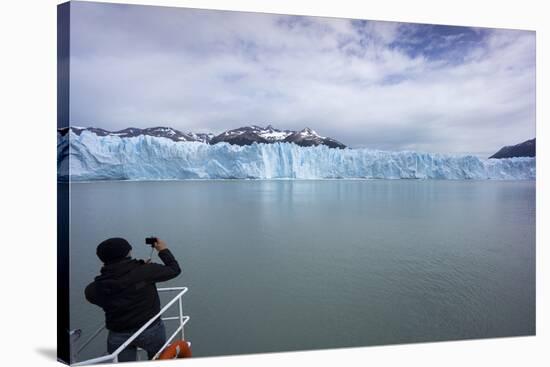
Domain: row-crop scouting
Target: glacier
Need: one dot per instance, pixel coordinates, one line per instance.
(89, 157)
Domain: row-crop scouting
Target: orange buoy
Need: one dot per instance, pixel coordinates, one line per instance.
(178, 349)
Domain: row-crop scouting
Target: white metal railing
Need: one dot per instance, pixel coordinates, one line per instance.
(113, 357)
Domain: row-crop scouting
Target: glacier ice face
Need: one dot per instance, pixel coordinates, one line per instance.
(88, 157)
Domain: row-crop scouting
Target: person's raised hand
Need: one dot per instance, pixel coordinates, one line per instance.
(160, 245)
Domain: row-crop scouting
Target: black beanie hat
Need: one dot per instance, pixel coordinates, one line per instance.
(113, 250)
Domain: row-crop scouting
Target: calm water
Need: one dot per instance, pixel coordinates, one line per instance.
(293, 265)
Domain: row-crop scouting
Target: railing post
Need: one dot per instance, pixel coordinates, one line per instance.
(74, 335)
(181, 317)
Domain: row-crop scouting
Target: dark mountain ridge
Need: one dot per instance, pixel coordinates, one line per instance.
(526, 149)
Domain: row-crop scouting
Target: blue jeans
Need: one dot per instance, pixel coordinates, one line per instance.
(151, 339)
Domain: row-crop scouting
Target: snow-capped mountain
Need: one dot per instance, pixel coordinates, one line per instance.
(246, 135)
(308, 137)
(89, 156)
(272, 134)
(256, 134)
(130, 132)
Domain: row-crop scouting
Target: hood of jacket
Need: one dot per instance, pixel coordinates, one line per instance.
(116, 277)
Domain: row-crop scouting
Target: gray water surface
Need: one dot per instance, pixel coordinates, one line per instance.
(293, 265)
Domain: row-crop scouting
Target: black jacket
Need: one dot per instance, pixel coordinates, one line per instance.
(127, 293)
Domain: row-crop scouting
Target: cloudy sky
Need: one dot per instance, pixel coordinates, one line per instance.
(381, 85)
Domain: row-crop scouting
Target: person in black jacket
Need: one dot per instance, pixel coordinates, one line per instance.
(127, 293)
